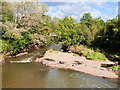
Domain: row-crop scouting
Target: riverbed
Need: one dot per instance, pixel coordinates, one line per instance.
(35, 75)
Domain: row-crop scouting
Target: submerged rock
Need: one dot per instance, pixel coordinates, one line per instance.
(24, 61)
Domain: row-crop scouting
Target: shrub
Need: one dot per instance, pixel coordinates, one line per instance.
(50, 50)
(90, 53)
(5, 46)
(81, 49)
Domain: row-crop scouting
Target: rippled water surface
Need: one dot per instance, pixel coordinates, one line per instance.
(35, 75)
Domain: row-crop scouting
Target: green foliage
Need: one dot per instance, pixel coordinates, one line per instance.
(109, 37)
(52, 51)
(115, 67)
(85, 17)
(22, 28)
(75, 54)
(6, 46)
(90, 53)
(55, 51)
(68, 31)
(96, 56)
(6, 11)
(81, 49)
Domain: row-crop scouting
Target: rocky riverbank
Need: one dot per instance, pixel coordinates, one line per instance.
(18, 55)
(24, 52)
(77, 63)
(2, 57)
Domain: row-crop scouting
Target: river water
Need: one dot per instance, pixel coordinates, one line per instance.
(35, 75)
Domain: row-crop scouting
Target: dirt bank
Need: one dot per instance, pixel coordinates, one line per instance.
(1, 59)
(77, 63)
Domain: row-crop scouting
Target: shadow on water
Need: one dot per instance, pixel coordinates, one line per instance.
(35, 75)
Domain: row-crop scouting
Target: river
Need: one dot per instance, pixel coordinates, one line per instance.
(35, 75)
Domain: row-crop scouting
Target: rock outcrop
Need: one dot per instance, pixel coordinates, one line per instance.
(77, 63)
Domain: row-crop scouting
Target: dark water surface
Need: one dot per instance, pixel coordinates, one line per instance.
(35, 75)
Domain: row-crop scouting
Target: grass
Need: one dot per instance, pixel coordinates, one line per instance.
(51, 50)
(96, 56)
(75, 54)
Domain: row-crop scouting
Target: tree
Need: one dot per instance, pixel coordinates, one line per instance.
(87, 34)
(69, 31)
(94, 30)
(85, 17)
(21, 23)
(7, 12)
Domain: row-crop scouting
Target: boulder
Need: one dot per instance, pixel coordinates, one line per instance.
(62, 62)
(39, 59)
(103, 68)
(20, 54)
(45, 62)
(108, 63)
(78, 62)
(69, 52)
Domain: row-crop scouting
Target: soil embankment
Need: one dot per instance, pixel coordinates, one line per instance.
(1, 59)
